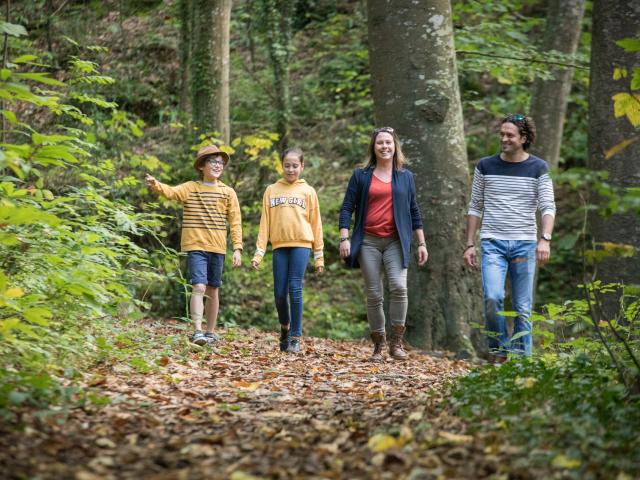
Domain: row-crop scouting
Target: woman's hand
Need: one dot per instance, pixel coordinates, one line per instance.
(423, 255)
(345, 249)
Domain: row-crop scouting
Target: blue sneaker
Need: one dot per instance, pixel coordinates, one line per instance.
(198, 338)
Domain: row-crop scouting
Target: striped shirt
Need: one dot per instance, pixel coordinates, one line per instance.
(506, 196)
(208, 210)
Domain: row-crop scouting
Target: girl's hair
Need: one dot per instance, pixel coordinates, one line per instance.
(294, 150)
(526, 127)
(399, 160)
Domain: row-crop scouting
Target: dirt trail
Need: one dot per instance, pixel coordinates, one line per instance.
(244, 410)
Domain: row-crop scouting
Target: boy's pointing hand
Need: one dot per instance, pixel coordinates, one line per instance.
(151, 180)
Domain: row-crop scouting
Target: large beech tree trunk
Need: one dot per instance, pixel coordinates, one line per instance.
(614, 20)
(415, 90)
(550, 97)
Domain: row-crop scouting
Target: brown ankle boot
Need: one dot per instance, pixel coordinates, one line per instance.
(396, 349)
(378, 347)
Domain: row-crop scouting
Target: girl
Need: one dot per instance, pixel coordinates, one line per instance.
(291, 222)
(383, 196)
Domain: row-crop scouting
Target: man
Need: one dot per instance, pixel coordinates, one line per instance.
(506, 191)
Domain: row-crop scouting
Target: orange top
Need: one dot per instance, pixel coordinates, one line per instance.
(379, 221)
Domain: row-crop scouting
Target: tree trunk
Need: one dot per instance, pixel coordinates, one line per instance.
(210, 66)
(614, 20)
(278, 17)
(221, 42)
(185, 53)
(415, 90)
(550, 97)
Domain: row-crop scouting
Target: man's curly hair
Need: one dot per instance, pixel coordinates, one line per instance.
(526, 127)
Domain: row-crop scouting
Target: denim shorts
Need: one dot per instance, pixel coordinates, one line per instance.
(206, 267)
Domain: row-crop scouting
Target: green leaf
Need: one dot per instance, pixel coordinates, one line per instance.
(38, 315)
(25, 59)
(635, 80)
(12, 29)
(629, 44)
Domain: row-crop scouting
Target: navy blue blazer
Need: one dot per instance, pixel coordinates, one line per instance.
(406, 213)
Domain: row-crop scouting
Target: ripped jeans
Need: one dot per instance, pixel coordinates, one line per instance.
(518, 258)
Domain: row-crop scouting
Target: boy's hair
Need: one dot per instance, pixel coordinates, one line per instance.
(399, 160)
(296, 151)
(526, 127)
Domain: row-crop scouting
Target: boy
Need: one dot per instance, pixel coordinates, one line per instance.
(209, 206)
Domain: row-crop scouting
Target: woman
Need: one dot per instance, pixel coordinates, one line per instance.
(383, 195)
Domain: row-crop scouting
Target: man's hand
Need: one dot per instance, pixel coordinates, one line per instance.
(423, 255)
(471, 258)
(237, 258)
(345, 249)
(151, 181)
(543, 252)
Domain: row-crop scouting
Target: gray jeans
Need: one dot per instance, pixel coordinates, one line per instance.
(375, 255)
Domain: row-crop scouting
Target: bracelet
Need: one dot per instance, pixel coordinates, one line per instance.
(343, 239)
(422, 244)
(468, 247)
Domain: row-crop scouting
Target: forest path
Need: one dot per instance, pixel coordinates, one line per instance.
(243, 410)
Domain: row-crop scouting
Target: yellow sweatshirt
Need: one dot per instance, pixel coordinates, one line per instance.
(206, 213)
(290, 218)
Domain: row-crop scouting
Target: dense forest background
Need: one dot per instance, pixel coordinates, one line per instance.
(94, 94)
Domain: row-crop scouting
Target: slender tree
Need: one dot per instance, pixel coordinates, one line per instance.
(184, 9)
(550, 97)
(278, 21)
(221, 51)
(415, 90)
(210, 66)
(614, 20)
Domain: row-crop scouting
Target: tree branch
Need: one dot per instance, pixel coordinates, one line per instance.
(526, 60)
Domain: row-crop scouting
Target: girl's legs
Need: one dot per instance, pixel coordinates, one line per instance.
(298, 261)
(281, 285)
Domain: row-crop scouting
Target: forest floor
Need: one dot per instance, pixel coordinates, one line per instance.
(243, 410)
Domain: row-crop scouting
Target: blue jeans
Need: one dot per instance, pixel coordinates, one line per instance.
(289, 265)
(518, 258)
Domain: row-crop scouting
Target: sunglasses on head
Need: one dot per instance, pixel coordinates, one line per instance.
(383, 129)
(516, 117)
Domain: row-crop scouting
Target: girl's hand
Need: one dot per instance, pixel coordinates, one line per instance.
(345, 249)
(254, 264)
(151, 181)
(319, 270)
(423, 255)
(237, 258)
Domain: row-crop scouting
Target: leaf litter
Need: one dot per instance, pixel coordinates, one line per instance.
(243, 410)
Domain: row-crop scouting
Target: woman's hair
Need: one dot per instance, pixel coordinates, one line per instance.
(399, 160)
(295, 151)
(526, 127)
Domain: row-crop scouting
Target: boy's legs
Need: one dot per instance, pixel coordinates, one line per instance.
(298, 260)
(215, 265)
(197, 263)
(211, 307)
